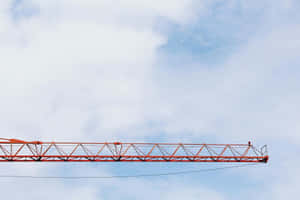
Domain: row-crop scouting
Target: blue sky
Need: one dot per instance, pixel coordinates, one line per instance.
(141, 70)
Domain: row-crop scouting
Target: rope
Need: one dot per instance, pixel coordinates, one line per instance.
(128, 176)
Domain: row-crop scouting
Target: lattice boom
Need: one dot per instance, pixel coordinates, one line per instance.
(14, 150)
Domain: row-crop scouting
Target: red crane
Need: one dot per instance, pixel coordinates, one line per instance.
(15, 150)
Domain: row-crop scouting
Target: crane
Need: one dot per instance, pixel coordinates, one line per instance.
(16, 150)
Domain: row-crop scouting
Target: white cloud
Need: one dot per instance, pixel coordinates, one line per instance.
(62, 72)
(88, 69)
(125, 11)
(251, 95)
(38, 189)
(172, 188)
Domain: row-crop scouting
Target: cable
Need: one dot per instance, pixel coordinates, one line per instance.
(126, 176)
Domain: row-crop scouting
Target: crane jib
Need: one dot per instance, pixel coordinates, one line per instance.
(15, 150)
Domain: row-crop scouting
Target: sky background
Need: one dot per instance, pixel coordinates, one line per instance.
(214, 71)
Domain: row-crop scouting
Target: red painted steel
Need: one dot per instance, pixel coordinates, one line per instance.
(15, 150)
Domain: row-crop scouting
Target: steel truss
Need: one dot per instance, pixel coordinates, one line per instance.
(14, 150)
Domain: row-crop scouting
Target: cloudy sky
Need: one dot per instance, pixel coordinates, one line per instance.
(210, 71)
